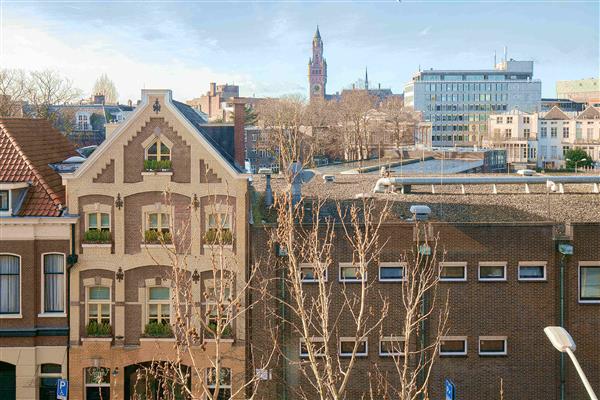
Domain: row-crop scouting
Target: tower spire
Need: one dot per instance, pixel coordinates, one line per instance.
(366, 79)
(317, 33)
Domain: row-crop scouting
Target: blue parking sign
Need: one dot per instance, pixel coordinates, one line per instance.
(62, 389)
(450, 389)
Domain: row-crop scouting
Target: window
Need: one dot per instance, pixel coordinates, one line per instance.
(223, 380)
(565, 132)
(526, 132)
(453, 272)
(4, 200)
(158, 151)
(498, 120)
(589, 283)
(98, 221)
(98, 303)
(453, 346)
(492, 346)
(532, 271)
(54, 283)
(347, 347)
(509, 120)
(308, 273)
(350, 272)
(49, 375)
(158, 222)
(525, 120)
(318, 347)
(219, 220)
(391, 346)
(543, 132)
(10, 284)
(97, 383)
(553, 131)
(159, 305)
(492, 271)
(391, 272)
(216, 298)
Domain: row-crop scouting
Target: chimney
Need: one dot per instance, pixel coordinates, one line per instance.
(239, 115)
(268, 191)
(379, 86)
(129, 103)
(213, 89)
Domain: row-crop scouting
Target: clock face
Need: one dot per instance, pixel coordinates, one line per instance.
(316, 88)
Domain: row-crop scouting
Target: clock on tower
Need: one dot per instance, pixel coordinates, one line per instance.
(317, 69)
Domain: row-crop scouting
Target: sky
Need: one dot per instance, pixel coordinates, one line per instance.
(264, 46)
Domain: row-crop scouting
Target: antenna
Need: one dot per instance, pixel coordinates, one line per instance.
(495, 59)
(505, 54)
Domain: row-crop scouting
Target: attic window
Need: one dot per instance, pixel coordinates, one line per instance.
(4, 202)
(158, 150)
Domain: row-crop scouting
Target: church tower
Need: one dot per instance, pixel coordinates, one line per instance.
(317, 69)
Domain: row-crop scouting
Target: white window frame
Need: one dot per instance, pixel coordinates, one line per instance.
(585, 264)
(313, 340)
(52, 314)
(389, 265)
(95, 385)
(98, 220)
(159, 141)
(350, 265)
(399, 352)
(20, 313)
(8, 211)
(87, 302)
(453, 264)
(222, 386)
(542, 264)
(352, 339)
(149, 302)
(495, 353)
(491, 264)
(454, 339)
(315, 280)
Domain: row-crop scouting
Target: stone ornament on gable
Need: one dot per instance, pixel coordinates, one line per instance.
(156, 106)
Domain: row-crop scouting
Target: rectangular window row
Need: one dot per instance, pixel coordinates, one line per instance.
(450, 272)
(390, 346)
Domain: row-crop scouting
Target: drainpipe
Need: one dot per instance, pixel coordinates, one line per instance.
(423, 344)
(72, 260)
(561, 262)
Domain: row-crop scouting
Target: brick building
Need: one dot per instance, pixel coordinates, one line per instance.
(35, 249)
(214, 102)
(505, 287)
(122, 280)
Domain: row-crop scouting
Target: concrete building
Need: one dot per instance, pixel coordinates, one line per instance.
(511, 233)
(36, 247)
(214, 102)
(542, 139)
(564, 104)
(123, 281)
(458, 102)
(580, 90)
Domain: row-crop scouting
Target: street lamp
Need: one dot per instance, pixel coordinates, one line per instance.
(576, 161)
(560, 338)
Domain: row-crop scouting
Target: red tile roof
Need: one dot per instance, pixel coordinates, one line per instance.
(27, 146)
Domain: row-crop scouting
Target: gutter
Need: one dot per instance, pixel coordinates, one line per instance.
(562, 322)
(71, 261)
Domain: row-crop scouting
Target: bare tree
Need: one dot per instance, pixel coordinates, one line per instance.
(422, 304)
(204, 321)
(401, 121)
(106, 87)
(47, 88)
(13, 88)
(352, 120)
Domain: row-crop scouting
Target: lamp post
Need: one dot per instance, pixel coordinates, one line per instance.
(576, 161)
(563, 342)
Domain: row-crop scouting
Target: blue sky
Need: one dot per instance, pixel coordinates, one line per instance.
(264, 46)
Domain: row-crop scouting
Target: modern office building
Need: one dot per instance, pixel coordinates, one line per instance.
(563, 104)
(458, 102)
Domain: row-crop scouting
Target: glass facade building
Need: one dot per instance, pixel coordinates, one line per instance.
(458, 102)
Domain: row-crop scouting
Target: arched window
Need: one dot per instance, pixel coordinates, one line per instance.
(158, 150)
(97, 383)
(49, 375)
(10, 284)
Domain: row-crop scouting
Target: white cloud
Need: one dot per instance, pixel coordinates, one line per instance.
(84, 57)
(425, 31)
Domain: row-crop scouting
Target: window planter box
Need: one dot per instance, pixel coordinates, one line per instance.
(226, 335)
(96, 237)
(95, 330)
(96, 339)
(154, 238)
(158, 331)
(160, 173)
(213, 237)
(154, 166)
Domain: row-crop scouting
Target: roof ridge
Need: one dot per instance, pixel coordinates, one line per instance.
(53, 196)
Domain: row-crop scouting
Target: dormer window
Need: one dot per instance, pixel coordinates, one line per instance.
(4, 202)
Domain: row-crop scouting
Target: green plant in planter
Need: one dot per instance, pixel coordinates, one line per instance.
(94, 329)
(157, 329)
(151, 236)
(214, 236)
(227, 332)
(97, 236)
(158, 165)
